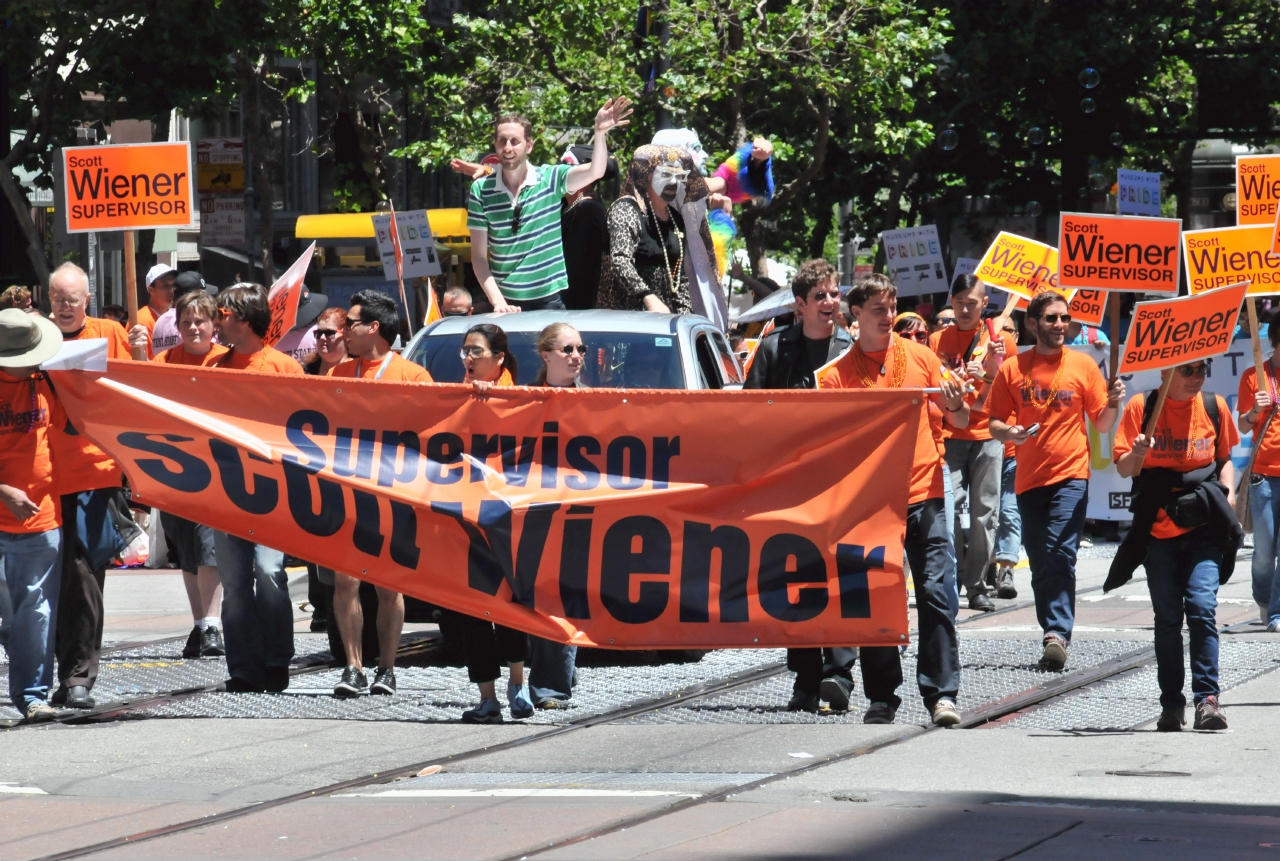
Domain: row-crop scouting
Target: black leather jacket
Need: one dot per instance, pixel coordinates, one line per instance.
(780, 361)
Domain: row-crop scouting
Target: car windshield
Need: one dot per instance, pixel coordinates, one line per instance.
(614, 359)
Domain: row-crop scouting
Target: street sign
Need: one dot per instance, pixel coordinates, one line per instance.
(127, 186)
(1137, 192)
(420, 259)
(222, 221)
(220, 166)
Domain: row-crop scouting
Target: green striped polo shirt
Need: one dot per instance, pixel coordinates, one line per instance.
(528, 264)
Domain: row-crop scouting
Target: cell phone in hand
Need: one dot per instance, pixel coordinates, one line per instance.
(1033, 430)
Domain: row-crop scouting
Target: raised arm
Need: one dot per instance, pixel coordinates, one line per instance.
(611, 116)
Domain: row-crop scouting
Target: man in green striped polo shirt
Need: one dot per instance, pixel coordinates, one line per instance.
(514, 214)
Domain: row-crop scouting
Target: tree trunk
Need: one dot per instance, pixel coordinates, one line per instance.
(250, 74)
(35, 247)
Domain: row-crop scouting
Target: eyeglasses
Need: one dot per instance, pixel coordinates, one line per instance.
(473, 352)
(516, 212)
(351, 323)
(1194, 370)
(68, 303)
(1056, 318)
(825, 294)
(570, 349)
(326, 333)
(921, 335)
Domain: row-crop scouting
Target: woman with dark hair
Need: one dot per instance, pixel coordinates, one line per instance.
(912, 326)
(654, 244)
(489, 362)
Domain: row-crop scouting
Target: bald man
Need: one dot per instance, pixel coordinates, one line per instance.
(87, 478)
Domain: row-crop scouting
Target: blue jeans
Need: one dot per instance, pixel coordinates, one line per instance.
(1182, 574)
(551, 669)
(1264, 504)
(257, 616)
(33, 572)
(554, 302)
(1052, 519)
(1009, 530)
(6, 609)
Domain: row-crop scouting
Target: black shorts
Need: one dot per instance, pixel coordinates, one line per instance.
(192, 541)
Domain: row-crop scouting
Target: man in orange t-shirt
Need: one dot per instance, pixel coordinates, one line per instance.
(1183, 564)
(882, 359)
(30, 516)
(973, 457)
(257, 615)
(91, 481)
(369, 331)
(1050, 390)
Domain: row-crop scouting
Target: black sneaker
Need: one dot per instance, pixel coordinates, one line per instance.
(352, 683)
(237, 685)
(276, 679)
(59, 696)
(319, 625)
(487, 712)
(835, 691)
(211, 645)
(1171, 720)
(192, 648)
(802, 702)
(78, 698)
(384, 683)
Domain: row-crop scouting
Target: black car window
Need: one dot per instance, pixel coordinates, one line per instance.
(614, 359)
(707, 362)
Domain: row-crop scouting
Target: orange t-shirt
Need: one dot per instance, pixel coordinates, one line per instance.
(97, 327)
(398, 370)
(179, 356)
(1177, 443)
(1268, 460)
(1060, 451)
(924, 370)
(26, 459)
(268, 360)
(81, 464)
(147, 317)
(952, 344)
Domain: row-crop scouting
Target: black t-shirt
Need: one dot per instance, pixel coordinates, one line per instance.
(816, 352)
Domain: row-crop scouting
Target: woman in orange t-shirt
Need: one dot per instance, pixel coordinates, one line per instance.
(489, 362)
(1264, 482)
(1182, 562)
(193, 541)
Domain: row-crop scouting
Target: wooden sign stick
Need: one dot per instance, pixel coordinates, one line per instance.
(1115, 338)
(1150, 429)
(1259, 364)
(130, 279)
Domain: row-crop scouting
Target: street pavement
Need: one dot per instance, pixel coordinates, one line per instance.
(1081, 775)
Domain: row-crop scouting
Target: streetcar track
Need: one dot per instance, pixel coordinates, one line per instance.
(989, 712)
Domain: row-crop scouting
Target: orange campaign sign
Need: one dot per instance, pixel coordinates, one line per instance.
(1089, 307)
(600, 517)
(1119, 253)
(1221, 256)
(127, 186)
(1020, 266)
(1257, 188)
(1170, 332)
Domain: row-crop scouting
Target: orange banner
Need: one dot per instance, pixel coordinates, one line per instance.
(1257, 188)
(127, 186)
(1170, 332)
(1021, 266)
(1222, 256)
(1089, 307)
(623, 519)
(1119, 253)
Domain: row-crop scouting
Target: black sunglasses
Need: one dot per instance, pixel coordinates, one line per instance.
(1054, 318)
(326, 333)
(570, 349)
(516, 211)
(1194, 370)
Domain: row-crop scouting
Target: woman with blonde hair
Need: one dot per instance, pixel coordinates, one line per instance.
(563, 356)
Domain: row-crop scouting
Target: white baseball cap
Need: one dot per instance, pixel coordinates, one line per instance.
(159, 271)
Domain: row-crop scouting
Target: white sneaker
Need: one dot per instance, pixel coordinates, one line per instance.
(39, 710)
